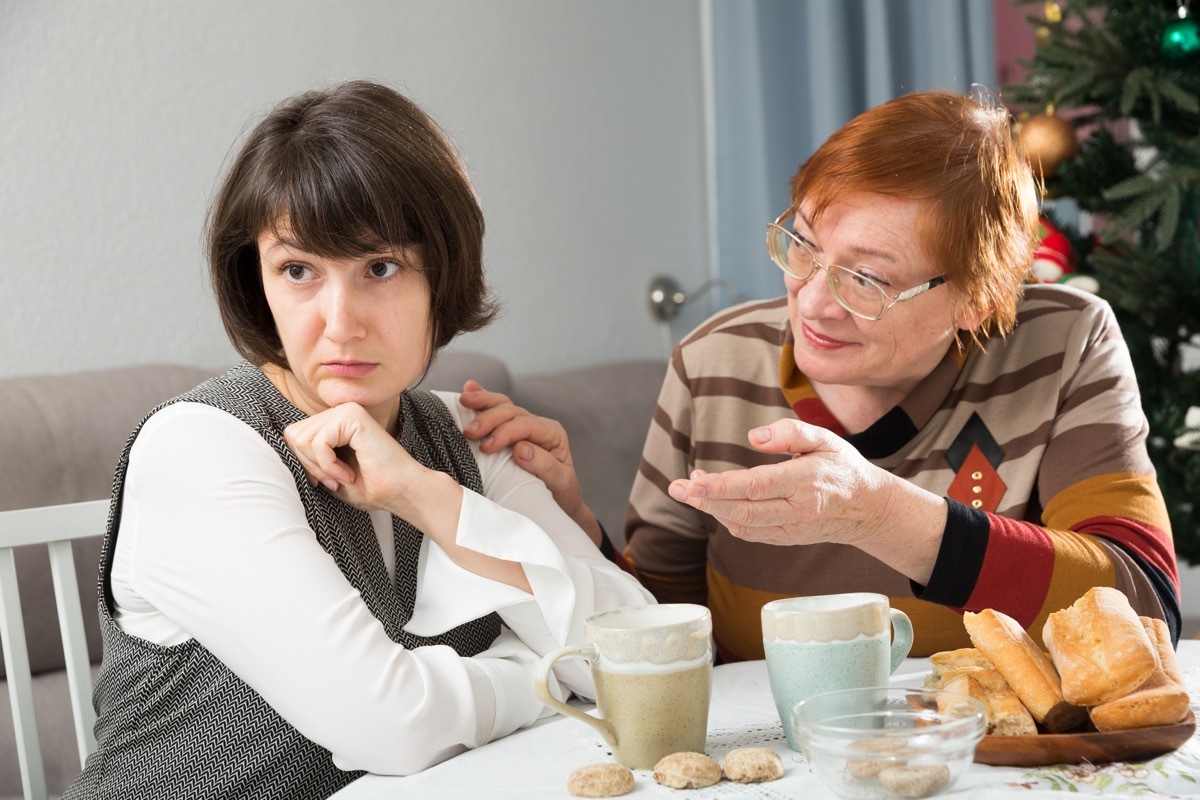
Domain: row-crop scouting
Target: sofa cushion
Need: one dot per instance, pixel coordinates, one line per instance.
(451, 369)
(61, 436)
(606, 412)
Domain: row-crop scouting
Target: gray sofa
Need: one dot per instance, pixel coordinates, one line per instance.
(60, 436)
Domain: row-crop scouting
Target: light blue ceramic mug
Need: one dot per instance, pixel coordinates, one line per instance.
(827, 642)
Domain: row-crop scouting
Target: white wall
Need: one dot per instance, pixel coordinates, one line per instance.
(581, 122)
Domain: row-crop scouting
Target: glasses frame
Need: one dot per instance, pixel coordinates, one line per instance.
(780, 260)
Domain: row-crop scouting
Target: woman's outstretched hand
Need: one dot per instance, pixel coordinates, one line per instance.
(539, 444)
(826, 492)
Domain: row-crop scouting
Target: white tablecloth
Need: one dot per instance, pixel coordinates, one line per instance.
(535, 763)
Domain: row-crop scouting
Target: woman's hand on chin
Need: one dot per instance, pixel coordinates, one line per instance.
(348, 452)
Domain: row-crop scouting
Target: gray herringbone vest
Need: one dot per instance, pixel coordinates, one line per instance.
(174, 722)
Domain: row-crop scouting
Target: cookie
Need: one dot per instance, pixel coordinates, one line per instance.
(887, 752)
(600, 780)
(687, 771)
(913, 781)
(753, 765)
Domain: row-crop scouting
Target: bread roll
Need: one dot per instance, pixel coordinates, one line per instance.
(1027, 669)
(1006, 714)
(1099, 647)
(1160, 637)
(963, 658)
(1161, 700)
(988, 677)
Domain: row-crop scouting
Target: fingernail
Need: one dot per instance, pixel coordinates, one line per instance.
(677, 492)
(474, 426)
(761, 435)
(696, 473)
(489, 441)
(330, 484)
(524, 451)
(698, 490)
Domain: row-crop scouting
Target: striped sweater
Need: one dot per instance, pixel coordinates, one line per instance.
(1038, 444)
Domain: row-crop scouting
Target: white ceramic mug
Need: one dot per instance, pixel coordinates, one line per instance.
(652, 666)
(827, 642)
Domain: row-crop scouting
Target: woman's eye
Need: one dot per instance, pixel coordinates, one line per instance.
(297, 272)
(384, 269)
(869, 280)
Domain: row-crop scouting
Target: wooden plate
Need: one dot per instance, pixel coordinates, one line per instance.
(1076, 748)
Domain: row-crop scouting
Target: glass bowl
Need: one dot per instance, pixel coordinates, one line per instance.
(889, 742)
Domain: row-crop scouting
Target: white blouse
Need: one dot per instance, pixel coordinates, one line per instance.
(214, 545)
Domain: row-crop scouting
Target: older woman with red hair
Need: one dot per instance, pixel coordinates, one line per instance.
(911, 418)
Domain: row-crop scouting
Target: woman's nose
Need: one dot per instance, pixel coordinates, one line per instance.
(343, 315)
(815, 297)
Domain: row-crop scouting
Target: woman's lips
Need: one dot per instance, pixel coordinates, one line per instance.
(350, 369)
(819, 341)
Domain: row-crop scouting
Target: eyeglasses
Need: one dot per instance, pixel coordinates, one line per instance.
(860, 295)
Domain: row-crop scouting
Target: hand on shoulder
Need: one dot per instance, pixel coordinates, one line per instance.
(540, 447)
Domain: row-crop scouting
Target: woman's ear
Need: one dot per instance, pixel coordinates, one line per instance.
(970, 316)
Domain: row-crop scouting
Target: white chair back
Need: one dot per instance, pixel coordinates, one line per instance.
(55, 527)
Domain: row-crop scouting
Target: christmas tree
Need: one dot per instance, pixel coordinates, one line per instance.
(1110, 118)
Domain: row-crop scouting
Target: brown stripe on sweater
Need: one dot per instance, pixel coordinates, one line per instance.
(755, 330)
(654, 475)
(678, 369)
(721, 318)
(1111, 333)
(928, 466)
(1020, 446)
(680, 441)
(1096, 449)
(725, 452)
(1006, 383)
(1033, 313)
(1090, 391)
(756, 393)
(828, 568)
(1129, 577)
(1055, 296)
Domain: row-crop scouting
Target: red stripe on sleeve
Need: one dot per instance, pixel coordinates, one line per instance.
(1148, 542)
(1017, 569)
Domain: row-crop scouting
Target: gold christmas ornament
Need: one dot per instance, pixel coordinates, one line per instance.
(1047, 140)
(1053, 15)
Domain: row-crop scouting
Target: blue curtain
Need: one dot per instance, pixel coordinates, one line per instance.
(787, 73)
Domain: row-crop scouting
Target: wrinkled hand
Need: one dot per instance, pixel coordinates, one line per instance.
(539, 444)
(347, 451)
(827, 492)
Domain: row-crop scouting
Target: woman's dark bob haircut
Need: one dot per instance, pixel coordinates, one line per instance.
(349, 171)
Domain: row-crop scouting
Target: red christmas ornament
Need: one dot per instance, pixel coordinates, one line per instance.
(1053, 258)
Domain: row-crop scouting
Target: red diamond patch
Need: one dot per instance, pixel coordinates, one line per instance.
(977, 484)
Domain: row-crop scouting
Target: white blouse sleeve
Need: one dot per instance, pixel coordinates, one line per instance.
(517, 519)
(213, 540)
